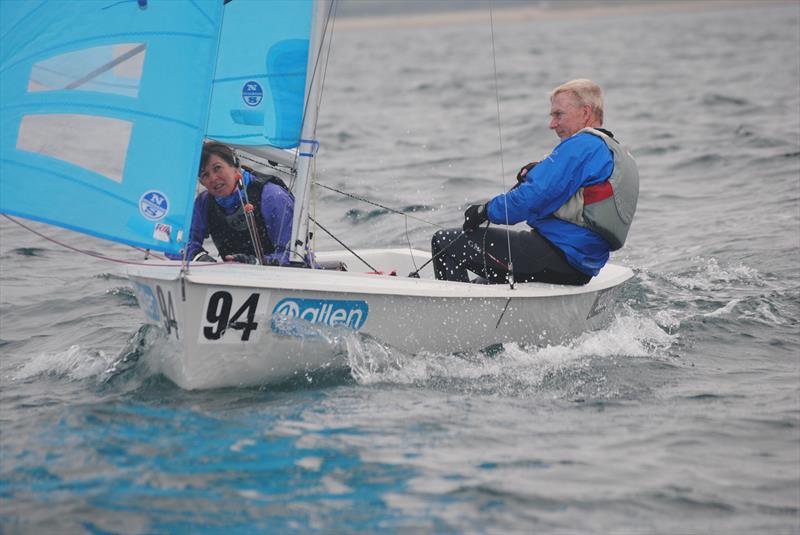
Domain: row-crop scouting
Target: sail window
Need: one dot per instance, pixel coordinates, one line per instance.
(115, 69)
(99, 144)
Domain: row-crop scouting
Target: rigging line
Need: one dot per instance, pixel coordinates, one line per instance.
(247, 211)
(415, 273)
(505, 266)
(486, 254)
(314, 191)
(81, 251)
(269, 163)
(373, 203)
(410, 248)
(502, 165)
(503, 313)
(312, 128)
(340, 242)
(311, 82)
(314, 183)
(485, 267)
(332, 17)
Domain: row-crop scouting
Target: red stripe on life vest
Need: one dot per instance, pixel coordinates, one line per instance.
(597, 192)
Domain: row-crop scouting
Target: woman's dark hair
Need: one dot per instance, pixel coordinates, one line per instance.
(223, 151)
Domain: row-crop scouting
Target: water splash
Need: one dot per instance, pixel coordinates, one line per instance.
(519, 371)
(74, 363)
(708, 275)
(139, 345)
(708, 290)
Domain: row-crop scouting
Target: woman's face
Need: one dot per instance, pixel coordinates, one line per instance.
(219, 177)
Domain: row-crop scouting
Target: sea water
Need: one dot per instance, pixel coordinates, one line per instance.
(683, 416)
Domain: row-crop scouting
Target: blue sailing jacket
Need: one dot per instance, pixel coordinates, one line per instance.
(578, 161)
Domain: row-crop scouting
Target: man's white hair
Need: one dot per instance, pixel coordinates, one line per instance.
(585, 93)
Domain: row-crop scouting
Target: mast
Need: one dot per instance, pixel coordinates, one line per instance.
(308, 144)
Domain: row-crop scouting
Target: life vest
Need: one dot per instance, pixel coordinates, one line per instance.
(229, 232)
(608, 207)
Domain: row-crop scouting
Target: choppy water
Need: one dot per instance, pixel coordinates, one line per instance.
(682, 417)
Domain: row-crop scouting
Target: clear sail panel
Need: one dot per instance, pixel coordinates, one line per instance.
(113, 69)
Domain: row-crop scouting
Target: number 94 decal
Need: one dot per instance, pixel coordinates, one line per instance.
(231, 316)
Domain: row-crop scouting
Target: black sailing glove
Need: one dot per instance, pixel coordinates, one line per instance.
(474, 216)
(522, 176)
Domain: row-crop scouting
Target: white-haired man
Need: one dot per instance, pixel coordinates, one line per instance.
(579, 202)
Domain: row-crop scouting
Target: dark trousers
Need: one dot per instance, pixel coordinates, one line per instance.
(485, 253)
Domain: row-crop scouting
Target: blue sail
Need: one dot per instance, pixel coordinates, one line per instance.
(103, 110)
(260, 80)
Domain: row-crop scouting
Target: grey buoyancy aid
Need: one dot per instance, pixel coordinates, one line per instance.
(229, 231)
(608, 207)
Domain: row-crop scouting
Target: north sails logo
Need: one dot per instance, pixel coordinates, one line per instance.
(332, 312)
(153, 205)
(252, 93)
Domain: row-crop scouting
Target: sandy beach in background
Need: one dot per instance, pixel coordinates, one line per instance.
(555, 11)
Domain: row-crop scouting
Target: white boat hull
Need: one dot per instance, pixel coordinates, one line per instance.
(238, 325)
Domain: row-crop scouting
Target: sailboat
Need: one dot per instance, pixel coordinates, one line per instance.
(105, 107)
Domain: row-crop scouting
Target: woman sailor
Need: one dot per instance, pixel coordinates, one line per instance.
(219, 211)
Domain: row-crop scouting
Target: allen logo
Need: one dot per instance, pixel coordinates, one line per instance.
(331, 312)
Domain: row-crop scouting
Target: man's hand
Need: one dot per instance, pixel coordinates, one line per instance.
(242, 258)
(523, 173)
(474, 216)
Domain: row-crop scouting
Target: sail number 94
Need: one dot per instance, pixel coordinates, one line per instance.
(227, 312)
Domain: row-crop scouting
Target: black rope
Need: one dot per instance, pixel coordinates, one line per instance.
(340, 242)
(373, 203)
(502, 165)
(486, 254)
(503, 313)
(415, 274)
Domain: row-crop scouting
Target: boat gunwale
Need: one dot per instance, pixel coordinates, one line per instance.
(351, 282)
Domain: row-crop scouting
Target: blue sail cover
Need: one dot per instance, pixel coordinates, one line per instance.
(103, 110)
(260, 80)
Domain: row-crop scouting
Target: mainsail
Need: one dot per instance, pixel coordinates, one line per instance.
(104, 109)
(105, 105)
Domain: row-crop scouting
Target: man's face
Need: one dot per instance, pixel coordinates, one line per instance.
(218, 177)
(566, 117)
